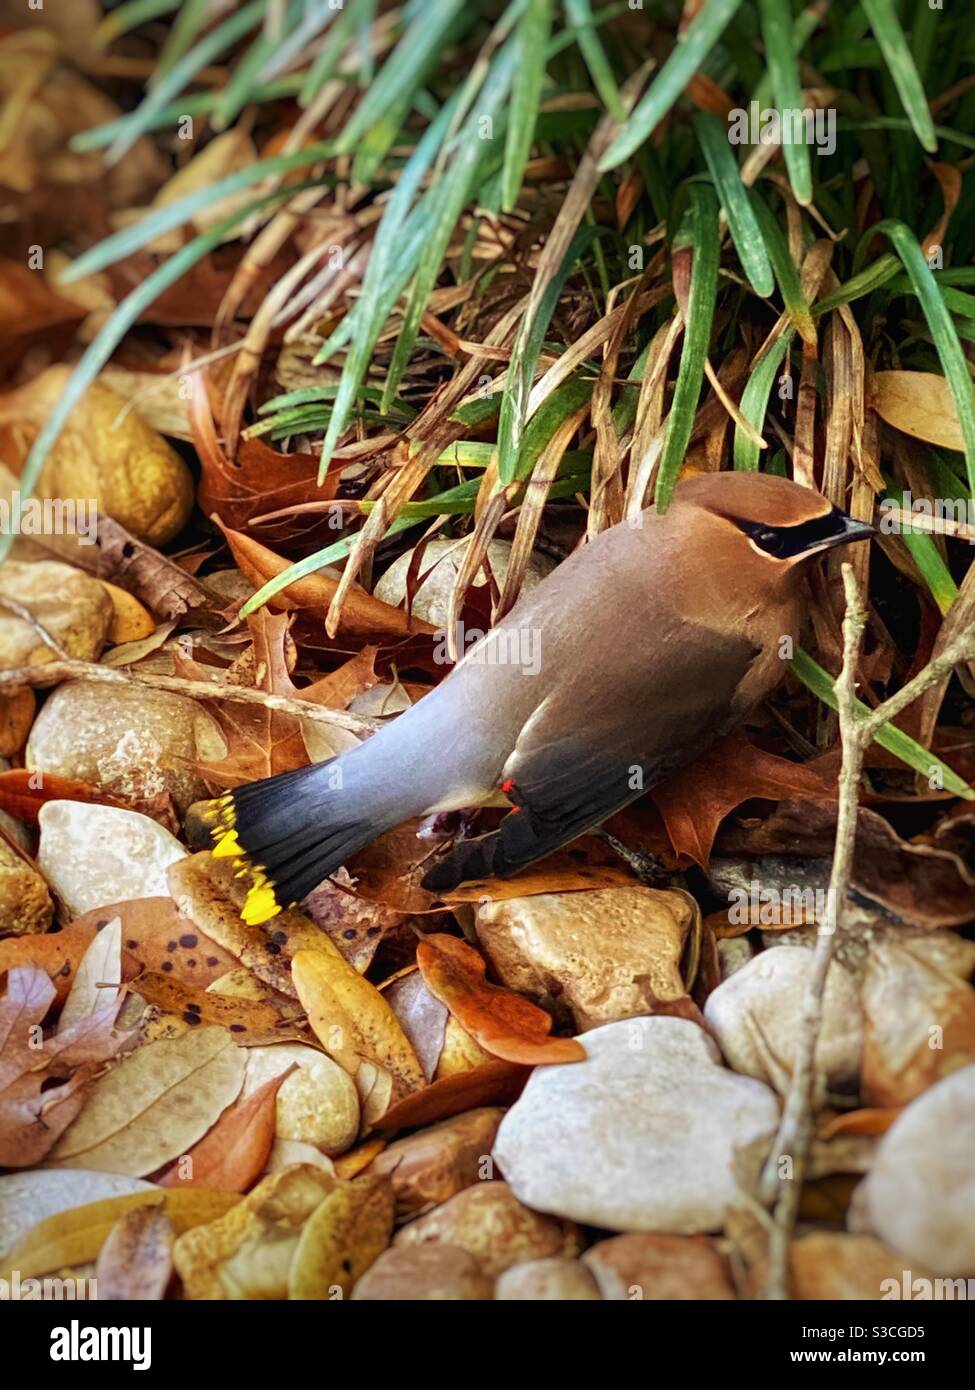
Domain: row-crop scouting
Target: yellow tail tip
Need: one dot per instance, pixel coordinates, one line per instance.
(260, 905)
(228, 846)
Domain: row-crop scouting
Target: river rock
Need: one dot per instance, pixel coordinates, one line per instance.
(96, 855)
(546, 1281)
(427, 1273)
(649, 1133)
(755, 1015)
(432, 1165)
(134, 743)
(317, 1104)
(608, 954)
(443, 558)
(25, 903)
(919, 1196)
(75, 609)
(491, 1224)
(641, 1266)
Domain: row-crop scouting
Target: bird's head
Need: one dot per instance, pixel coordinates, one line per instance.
(779, 519)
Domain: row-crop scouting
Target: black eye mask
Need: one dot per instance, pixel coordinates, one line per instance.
(786, 542)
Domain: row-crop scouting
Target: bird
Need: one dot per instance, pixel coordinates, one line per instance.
(643, 647)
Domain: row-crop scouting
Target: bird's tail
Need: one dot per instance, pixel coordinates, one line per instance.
(287, 833)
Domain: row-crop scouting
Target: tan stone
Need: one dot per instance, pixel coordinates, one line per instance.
(429, 1167)
(74, 609)
(919, 1024)
(546, 1281)
(25, 903)
(427, 1273)
(491, 1224)
(641, 1266)
(134, 743)
(607, 954)
(834, 1265)
(108, 455)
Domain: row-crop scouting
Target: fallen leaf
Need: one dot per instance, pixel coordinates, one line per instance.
(154, 579)
(210, 896)
(136, 1261)
(350, 1017)
(920, 404)
(130, 622)
(31, 310)
(694, 803)
(491, 1083)
(247, 1253)
(157, 935)
(505, 1024)
(920, 883)
(361, 613)
(155, 1104)
(17, 711)
(867, 1123)
(37, 1193)
(585, 864)
(23, 792)
(235, 1152)
(342, 1237)
(75, 1237)
(95, 987)
(33, 1113)
(249, 1021)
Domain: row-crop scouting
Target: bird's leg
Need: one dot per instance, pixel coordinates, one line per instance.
(446, 825)
(649, 868)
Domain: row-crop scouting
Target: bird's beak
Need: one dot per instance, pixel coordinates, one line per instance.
(840, 529)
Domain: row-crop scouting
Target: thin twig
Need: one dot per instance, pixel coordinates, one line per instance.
(70, 668)
(857, 731)
(796, 1126)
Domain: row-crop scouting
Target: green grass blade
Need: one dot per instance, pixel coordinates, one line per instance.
(403, 71)
(914, 755)
(378, 293)
(330, 54)
(927, 557)
(943, 331)
(780, 55)
(873, 278)
(699, 231)
(736, 203)
(755, 398)
(524, 359)
(172, 83)
(579, 13)
(531, 38)
(784, 269)
(897, 55)
(688, 56)
(130, 15)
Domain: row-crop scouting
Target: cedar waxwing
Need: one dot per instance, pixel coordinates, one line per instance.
(621, 667)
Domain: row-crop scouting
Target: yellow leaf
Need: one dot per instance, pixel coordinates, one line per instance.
(247, 1253)
(155, 1104)
(919, 404)
(341, 1239)
(130, 621)
(75, 1236)
(350, 1017)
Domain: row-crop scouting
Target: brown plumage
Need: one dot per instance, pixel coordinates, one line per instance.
(625, 664)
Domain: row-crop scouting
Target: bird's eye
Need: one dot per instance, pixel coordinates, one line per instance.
(764, 536)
